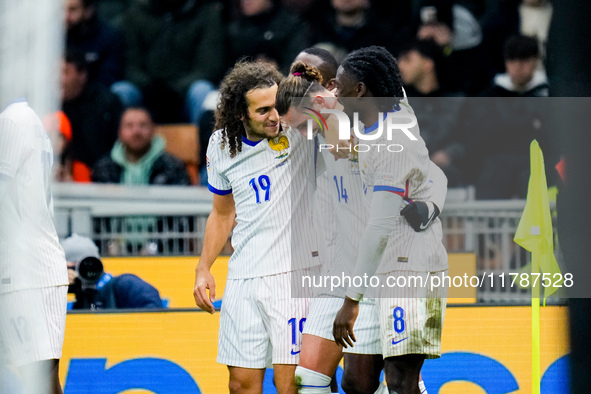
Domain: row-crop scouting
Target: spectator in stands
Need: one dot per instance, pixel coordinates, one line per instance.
(93, 111)
(96, 289)
(511, 17)
(423, 69)
(523, 78)
(264, 30)
(452, 25)
(175, 53)
(101, 45)
(502, 129)
(138, 157)
(66, 169)
(535, 17)
(353, 24)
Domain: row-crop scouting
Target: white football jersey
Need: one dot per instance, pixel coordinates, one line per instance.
(273, 183)
(30, 253)
(405, 172)
(349, 214)
(324, 219)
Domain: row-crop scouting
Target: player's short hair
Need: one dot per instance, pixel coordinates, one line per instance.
(302, 80)
(242, 78)
(520, 47)
(327, 58)
(377, 69)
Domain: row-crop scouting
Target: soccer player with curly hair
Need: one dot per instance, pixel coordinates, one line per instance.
(262, 177)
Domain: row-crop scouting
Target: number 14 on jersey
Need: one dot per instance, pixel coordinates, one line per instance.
(341, 192)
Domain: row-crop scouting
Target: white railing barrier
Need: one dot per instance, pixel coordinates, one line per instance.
(171, 221)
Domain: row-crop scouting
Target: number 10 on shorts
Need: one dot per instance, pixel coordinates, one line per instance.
(296, 338)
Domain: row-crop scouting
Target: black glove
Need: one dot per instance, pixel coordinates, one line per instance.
(420, 214)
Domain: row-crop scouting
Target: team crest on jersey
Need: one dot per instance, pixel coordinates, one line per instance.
(281, 145)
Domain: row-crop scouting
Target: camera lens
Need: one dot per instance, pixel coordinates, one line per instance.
(90, 269)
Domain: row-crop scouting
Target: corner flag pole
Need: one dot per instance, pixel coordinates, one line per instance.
(534, 234)
(535, 330)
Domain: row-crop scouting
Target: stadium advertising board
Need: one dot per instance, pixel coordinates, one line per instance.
(486, 350)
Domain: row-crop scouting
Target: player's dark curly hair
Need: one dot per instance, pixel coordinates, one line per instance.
(245, 76)
(302, 80)
(377, 69)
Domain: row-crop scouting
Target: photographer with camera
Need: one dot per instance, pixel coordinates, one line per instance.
(96, 289)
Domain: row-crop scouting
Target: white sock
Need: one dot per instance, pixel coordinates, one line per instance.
(422, 387)
(383, 389)
(311, 382)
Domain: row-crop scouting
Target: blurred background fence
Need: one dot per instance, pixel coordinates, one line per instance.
(170, 221)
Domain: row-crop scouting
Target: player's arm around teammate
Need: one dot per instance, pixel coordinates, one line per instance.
(320, 354)
(373, 73)
(217, 230)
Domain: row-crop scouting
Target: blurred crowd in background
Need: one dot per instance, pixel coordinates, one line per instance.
(133, 64)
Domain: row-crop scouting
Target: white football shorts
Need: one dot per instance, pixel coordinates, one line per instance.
(260, 323)
(323, 311)
(411, 317)
(32, 324)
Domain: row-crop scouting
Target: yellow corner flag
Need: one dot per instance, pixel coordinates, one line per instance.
(534, 232)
